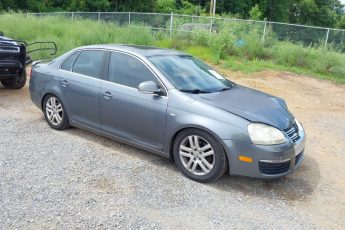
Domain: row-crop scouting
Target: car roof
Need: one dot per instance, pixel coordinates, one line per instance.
(146, 51)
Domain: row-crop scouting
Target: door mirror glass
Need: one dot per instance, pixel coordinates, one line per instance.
(149, 87)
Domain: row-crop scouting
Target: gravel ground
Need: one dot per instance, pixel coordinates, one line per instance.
(75, 179)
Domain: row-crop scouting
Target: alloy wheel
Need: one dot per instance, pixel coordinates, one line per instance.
(197, 155)
(54, 110)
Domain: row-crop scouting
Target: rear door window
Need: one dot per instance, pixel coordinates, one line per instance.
(89, 63)
(68, 64)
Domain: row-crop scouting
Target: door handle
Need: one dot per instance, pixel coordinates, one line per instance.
(107, 94)
(64, 83)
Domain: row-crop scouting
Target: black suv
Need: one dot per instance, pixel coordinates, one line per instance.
(13, 59)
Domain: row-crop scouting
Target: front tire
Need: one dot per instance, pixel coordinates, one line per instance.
(55, 113)
(17, 82)
(199, 156)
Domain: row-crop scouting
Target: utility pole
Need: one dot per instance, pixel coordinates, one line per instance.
(213, 8)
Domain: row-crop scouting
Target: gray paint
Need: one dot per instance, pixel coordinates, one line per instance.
(150, 121)
(251, 104)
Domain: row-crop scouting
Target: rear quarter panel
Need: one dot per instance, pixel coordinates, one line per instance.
(42, 82)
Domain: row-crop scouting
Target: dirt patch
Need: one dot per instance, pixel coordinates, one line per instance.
(320, 106)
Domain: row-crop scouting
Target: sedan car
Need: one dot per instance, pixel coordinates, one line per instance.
(172, 104)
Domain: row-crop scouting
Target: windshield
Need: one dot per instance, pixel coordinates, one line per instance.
(188, 74)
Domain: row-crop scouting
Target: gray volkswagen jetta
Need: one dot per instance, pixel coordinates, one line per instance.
(171, 104)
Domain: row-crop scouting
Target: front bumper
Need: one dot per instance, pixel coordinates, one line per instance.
(267, 161)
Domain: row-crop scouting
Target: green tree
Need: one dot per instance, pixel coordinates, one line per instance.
(341, 22)
(132, 5)
(235, 7)
(187, 7)
(316, 12)
(165, 6)
(255, 13)
(312, 12)
(275, 10)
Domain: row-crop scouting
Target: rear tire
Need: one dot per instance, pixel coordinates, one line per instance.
(17, 82)
(55, 113)
(199, 156)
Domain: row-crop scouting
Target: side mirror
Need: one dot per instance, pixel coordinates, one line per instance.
(149, 87)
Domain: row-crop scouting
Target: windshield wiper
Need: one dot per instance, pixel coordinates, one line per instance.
(195, 91)
(224, 89)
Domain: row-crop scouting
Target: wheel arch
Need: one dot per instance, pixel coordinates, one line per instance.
(202, 128)
(64, 122)
(45, 96)
(43, 99)
(54, 93)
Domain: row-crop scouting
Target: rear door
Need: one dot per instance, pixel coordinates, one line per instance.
(80, 83)
(128, 113)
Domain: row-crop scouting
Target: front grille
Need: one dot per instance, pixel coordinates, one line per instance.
(298, 158)
(292, 132)
(9, 48)
(273, 168)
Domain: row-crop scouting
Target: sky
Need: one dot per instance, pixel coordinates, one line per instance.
(342, 1)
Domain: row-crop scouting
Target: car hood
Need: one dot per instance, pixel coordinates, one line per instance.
(250, 104)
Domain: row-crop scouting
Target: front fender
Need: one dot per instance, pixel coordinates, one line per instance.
(185, 112)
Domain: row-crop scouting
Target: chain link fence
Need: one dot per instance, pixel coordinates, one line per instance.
(174, 23)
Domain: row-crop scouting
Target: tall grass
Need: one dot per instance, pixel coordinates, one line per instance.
(235, 38)
(319, 60)
(70, 34)
(243, 41)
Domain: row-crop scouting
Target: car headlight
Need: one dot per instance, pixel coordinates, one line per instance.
(262, 134)
(300, 127)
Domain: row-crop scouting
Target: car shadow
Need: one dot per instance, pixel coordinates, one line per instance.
(298, 186)
(121, 148)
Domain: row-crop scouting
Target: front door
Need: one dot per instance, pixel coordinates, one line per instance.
(128, 113)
